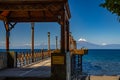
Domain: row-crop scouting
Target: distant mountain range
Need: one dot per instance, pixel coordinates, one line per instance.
(89, 45)
(80, 44)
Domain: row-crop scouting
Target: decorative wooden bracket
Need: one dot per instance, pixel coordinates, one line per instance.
(7, 27)
(12, 26)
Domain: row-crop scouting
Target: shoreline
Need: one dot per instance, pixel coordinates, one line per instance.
(97, 77)
(104, 77)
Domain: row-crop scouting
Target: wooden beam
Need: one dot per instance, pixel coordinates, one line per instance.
(3, 18)
(5, 13)
(30, 1)
(27, 6)
(29, 14)
(33, 19)
(68, 10)
(58, 12)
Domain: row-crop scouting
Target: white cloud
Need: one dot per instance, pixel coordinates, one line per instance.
(104, 44)
(82, 39)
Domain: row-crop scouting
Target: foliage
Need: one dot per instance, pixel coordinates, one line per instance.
(112, 5)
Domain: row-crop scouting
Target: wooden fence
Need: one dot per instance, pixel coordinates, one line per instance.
(22, 59)
(25, 59)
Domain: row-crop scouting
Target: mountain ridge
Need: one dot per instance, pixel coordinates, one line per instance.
(90, 45)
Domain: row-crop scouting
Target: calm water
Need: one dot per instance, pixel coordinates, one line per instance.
(96, 62)
(102, 62)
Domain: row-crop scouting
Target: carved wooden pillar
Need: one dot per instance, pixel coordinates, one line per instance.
(7, 40)
(11, 56)
(7, 35)
(63, 32)
(32, 42)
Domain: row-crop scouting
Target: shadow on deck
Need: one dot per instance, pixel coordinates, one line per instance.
(38, 71)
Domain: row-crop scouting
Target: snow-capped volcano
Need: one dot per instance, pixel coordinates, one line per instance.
(82, 39)
(84, 43)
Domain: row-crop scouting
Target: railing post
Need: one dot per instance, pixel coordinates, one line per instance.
(32, 27)
(48, 41)
(42, 54)
(56, 42)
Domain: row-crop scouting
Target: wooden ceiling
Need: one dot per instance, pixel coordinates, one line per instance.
(33, 10)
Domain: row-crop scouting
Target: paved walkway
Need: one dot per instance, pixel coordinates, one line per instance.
(41, 69)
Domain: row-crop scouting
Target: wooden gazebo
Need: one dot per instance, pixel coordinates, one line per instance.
(14, 11)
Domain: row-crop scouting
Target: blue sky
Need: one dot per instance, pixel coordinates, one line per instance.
(88, 21)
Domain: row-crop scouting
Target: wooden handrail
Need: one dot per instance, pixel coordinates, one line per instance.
(24, 59)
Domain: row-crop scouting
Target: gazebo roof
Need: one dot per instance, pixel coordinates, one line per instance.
(33, 10)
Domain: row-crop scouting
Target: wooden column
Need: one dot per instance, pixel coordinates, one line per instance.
(56, 42)
(48, 40)
(11, 56)
(67, 35)
(74, 44)
(7, 35)
(7, 40)
(63, 32)
(32, 42)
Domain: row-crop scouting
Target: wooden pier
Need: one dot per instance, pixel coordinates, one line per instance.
(40, 69)
(13, 12)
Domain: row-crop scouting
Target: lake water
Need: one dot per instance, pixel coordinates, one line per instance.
(96, 62)
(102, 62)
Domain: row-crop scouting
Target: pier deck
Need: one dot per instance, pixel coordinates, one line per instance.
(40, 69)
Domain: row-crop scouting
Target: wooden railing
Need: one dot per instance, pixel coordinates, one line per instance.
(25, 59)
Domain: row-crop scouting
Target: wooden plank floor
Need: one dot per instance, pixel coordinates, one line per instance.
(40, 69)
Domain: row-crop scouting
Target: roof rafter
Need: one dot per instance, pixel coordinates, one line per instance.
(33, 10)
